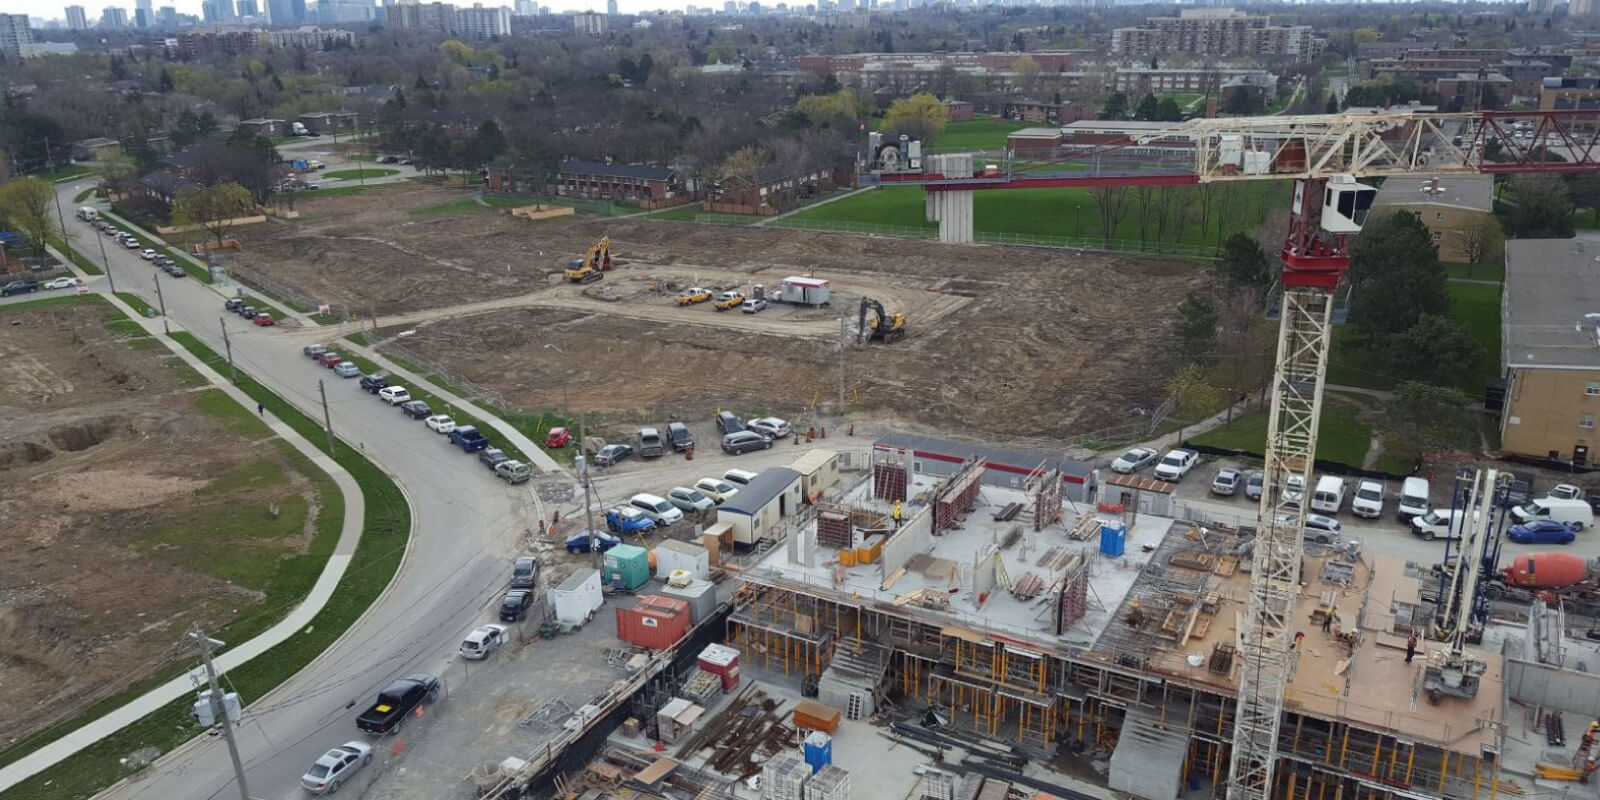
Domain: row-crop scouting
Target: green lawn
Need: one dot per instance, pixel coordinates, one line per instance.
(1341, 438)
(65, 173)
(1494, 271)
(358, 174)
(83, 195)
(1478, 307)
(1046, 212)
(976, 134)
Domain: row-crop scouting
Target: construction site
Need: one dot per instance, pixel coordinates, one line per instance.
(483, 296)
(1003, 638)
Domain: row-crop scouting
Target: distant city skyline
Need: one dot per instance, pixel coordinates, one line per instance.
(94, 10)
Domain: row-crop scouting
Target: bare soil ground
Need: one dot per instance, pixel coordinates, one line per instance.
(1010, 341)
(115, 477)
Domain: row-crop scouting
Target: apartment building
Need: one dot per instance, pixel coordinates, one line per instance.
(1143, 80)
(1216, 32)
(1452, 207)
(15, 34)
(482, 23)
(77, 18)
(590, 23)
(1551, 352)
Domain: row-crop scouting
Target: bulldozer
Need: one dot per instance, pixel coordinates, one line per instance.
(884, 327)
(596, 262)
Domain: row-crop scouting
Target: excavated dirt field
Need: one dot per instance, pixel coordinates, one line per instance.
(1011, 341)
(113, 479)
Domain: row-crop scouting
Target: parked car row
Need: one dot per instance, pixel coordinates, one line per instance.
(645, 512)
(263, 319)
(466, 437)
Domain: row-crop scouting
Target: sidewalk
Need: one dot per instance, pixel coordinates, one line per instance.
(301, 616)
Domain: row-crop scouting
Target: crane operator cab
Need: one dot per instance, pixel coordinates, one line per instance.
(1345, 204)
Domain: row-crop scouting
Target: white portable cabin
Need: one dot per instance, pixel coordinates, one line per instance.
(819, 472)
(672, 555)
(578, 597)
(804, 291)
(761, 504)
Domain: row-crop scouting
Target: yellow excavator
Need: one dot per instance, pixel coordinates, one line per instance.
(884, 327)
(594, 265)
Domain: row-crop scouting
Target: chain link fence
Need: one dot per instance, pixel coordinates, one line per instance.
(295, 299)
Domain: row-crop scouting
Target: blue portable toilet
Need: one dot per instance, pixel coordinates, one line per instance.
(1113, 538)
(818, 750)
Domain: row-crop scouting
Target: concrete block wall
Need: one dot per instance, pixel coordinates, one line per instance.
(1564, 689)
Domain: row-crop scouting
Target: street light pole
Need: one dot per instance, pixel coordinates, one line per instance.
(228, 345)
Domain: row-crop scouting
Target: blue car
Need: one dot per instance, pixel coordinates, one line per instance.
(1543, 531)
(579, 542)
(627, 519)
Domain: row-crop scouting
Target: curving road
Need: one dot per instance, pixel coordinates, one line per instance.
(465, 527)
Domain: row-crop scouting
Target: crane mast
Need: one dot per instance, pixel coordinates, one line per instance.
(1326, 212)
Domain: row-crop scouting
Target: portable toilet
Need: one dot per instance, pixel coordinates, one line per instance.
(818, 750)
(1113, 538)
(627, 566)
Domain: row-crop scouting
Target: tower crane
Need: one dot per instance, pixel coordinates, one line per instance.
(1325, 155)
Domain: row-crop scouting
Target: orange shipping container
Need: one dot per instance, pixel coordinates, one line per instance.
(812, 715)
(655, 622)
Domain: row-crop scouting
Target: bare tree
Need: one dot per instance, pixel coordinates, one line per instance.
(1112, 202)
(1146, 198)
(1480, 239)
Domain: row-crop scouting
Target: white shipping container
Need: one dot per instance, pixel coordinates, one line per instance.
(578, 597)
(672, 555)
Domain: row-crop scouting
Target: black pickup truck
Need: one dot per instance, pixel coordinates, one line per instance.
(400, 699)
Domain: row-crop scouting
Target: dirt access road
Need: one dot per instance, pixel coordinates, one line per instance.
(1010, 341)
(135, 506)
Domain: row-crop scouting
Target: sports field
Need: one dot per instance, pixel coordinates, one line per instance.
(975, 134)
(1057, 212)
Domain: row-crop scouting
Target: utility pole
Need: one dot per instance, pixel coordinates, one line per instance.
(219, 708)
(62, 220)
(327, 419)
(106, 263)
(582, 463)
(227, 345)
(160, 298)
(842, 346)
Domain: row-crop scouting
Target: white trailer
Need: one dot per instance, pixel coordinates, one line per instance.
(578, 597)
(803, 291)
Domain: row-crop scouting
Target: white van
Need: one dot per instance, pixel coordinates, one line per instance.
(656, 508)
(88, 214)
(1368, 500)
(1413, 499)
(739, 476)
(1329, 496)
(1576, 512)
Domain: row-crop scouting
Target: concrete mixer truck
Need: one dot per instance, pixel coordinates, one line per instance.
(1570, 577)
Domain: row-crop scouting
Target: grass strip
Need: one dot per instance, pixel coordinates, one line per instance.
(83, 195)
(384, 533)
(138, 303)
(77, 257)
(360, 174)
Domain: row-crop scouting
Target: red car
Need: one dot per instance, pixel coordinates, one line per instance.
(558, 437)
(329, 359)
(264, 320)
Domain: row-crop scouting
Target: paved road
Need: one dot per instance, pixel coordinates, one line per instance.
(466, 527)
